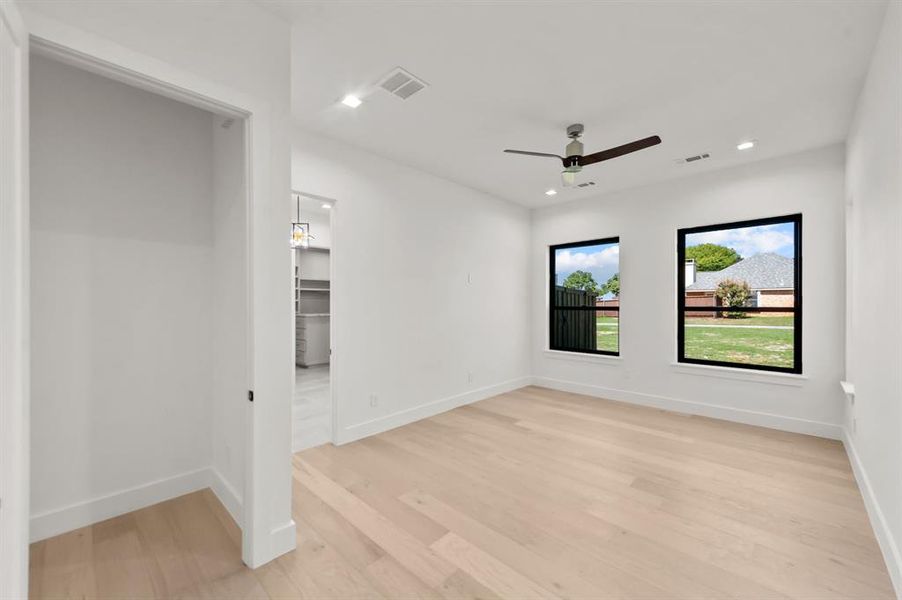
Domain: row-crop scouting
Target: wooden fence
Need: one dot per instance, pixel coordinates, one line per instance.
(573, 329)
(602, 304)
(701, 299)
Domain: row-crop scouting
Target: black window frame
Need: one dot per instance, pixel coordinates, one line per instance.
(552, 250)
(682, 309)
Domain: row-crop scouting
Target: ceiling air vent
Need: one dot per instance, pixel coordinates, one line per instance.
(402, 83)
(692, 159)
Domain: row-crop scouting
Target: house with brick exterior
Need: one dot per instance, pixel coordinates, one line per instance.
(769, 275)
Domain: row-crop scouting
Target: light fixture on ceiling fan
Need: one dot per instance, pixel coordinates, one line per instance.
(574, 161)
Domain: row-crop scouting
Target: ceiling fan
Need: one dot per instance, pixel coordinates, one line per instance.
(575, 160)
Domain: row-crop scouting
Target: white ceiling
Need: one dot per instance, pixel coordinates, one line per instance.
(305, 203)
(702, 75)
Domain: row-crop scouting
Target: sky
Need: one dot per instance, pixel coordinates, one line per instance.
(601, 261)
(749, 241)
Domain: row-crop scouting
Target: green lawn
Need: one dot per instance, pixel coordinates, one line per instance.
(708, 339)
(607, 332)
(771, 347)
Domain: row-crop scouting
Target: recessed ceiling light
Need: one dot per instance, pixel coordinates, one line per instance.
(352, 101)
(327, 205)
(746, 145)
(550, 192)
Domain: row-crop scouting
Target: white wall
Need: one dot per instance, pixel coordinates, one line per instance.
(646, 219)
(874, 192)
(121, 270)
(237, 52)
(320, 227)
(407, 325)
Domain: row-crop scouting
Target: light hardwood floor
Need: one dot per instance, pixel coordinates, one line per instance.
(531, 494)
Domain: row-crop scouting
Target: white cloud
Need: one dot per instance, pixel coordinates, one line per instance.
(747, 241)
(567, 261)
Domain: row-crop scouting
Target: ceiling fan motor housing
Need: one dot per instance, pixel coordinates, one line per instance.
(575, 147)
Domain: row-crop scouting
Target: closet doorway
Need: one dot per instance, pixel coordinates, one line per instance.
(140, 280)
(312, 245)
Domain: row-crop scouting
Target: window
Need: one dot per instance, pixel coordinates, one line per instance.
(739, 294)
(585, 297)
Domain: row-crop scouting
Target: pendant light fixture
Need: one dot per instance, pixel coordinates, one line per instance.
(300, 232)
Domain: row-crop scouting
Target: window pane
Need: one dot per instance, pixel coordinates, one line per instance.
(586, 275)
(574, 330)
(585, 272)
(586, 330)
(759, 339)
(744, 265)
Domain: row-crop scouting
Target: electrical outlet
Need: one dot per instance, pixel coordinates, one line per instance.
(469, 278)
(854, 425)
(374, 400)
(469, 376)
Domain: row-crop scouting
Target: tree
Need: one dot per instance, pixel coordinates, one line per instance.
(611, 286)
(581, 280)
(733, 292)
(712, 257)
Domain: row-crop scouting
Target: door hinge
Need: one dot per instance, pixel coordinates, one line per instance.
(250, 395)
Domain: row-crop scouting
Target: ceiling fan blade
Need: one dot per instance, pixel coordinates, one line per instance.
(610, 153)
(544, 154)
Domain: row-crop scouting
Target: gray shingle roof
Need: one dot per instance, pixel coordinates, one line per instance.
(766, 271)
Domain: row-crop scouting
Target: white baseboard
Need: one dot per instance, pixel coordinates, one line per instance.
(404, 417)
(82, 514)
(227, 495)
(727, 413)
(57, 521)
(283, 538)
(885, 539)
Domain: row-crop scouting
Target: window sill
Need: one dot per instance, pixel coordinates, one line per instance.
(790, 379)
(603, 359)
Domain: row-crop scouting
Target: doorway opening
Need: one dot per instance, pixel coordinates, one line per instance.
(312, 409)
(140, 316)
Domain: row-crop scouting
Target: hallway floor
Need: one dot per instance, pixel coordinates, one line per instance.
(311, 410)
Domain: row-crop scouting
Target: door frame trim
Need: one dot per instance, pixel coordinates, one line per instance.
(262, 538)
(14, 322)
